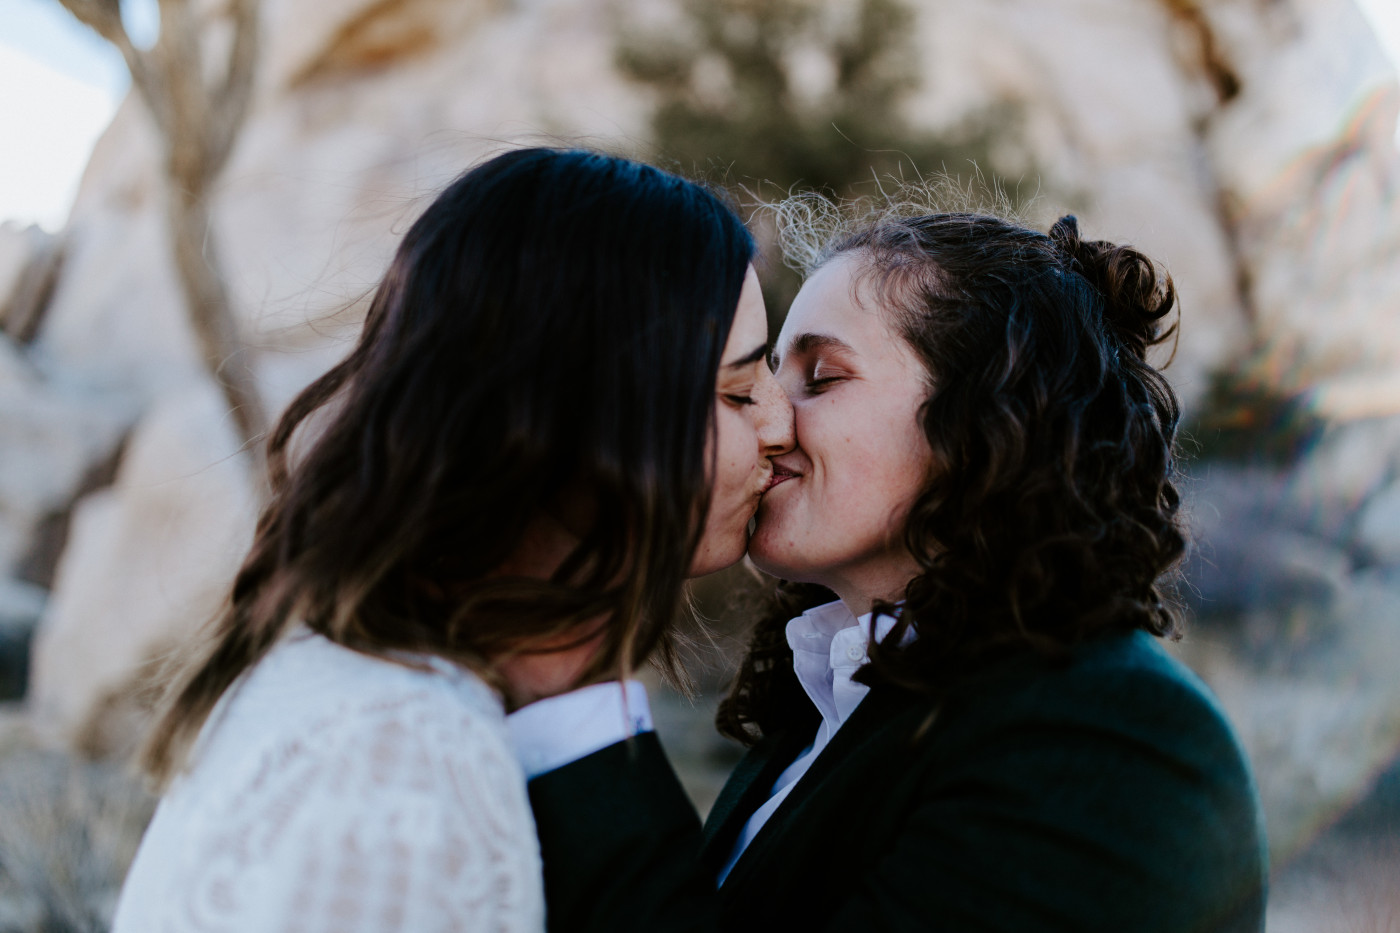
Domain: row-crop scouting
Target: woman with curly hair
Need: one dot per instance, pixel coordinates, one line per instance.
(959, 710)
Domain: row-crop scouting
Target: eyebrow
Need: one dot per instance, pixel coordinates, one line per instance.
(807, 343)
(758, 353)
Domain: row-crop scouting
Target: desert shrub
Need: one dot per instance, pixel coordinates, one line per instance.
(1248, 417)
(764, 96)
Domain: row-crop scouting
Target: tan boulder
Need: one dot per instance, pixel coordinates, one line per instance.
(16, 249)
(350, 134)
(1379, 529)
(1304, 66)
(1308, 162)
(306, 42)
(148, 561)
(29, 262)
(52, 435)
(1123, 153)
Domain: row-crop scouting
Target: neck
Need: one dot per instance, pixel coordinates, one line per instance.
(545, 543)
(883, 578)
(861, 599)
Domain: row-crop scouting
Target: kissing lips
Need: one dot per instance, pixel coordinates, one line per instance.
(781, 474)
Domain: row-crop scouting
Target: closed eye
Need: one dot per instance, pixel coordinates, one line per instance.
(816, 386)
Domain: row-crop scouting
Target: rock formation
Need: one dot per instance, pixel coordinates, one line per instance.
(363, 110)
(1248, 145)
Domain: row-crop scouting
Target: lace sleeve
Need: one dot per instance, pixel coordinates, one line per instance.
(413, 818)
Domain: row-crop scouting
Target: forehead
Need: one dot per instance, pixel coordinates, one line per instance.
(750, 326)
(837, 301)
(750, 312)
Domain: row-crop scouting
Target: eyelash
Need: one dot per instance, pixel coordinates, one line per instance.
(818, 385)
(739, 399)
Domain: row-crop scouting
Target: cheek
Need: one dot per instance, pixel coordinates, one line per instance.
(735, 463)
(843, 445)
(733, 493)
(868, 468)
(899, 459)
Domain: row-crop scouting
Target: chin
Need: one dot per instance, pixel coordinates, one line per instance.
(768, 557)
(713, 557)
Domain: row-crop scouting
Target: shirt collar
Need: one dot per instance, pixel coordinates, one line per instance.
(813, 631)
(816, 629)
(828, 646)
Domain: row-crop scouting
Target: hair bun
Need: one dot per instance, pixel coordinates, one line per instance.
(1137, 295)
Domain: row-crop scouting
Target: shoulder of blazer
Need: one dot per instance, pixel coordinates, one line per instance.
(1119, 714)
(1144, 710)
(1126, 678)
(1123, 685)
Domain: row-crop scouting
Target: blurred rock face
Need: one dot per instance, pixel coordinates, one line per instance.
(364, 111)
(1248, 146)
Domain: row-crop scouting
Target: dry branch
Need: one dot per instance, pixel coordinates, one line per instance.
(198, 120)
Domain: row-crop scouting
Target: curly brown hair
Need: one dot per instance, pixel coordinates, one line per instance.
(1052, 516)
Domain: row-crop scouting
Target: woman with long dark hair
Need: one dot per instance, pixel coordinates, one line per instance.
(959, 712)
(558, 410)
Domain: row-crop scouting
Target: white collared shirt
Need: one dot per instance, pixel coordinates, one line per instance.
(828, 647)
(551, 733)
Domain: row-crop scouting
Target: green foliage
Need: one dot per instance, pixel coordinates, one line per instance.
(1246, 418)
(772, 95)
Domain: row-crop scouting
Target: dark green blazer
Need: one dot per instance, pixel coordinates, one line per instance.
(1103, 794)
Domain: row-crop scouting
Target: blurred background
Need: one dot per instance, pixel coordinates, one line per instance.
(1250, 145)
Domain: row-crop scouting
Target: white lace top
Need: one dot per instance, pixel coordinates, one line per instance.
(331, 791)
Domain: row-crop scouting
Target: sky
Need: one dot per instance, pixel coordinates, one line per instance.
(60, 85)
(1385, 18)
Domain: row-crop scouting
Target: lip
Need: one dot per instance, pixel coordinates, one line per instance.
(780, 475)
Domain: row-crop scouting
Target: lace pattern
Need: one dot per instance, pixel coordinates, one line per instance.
(336, 792)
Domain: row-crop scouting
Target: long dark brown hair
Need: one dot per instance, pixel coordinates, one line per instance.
(552, 324)
(1051, 515)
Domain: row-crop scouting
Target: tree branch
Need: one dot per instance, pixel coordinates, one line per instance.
(234, 93)
(178, 54)
(104, 17)
(198, 125)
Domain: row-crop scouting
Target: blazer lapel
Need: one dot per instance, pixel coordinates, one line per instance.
(744, 792)
(868, 723)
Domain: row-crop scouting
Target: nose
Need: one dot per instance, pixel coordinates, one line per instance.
(773, 416)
